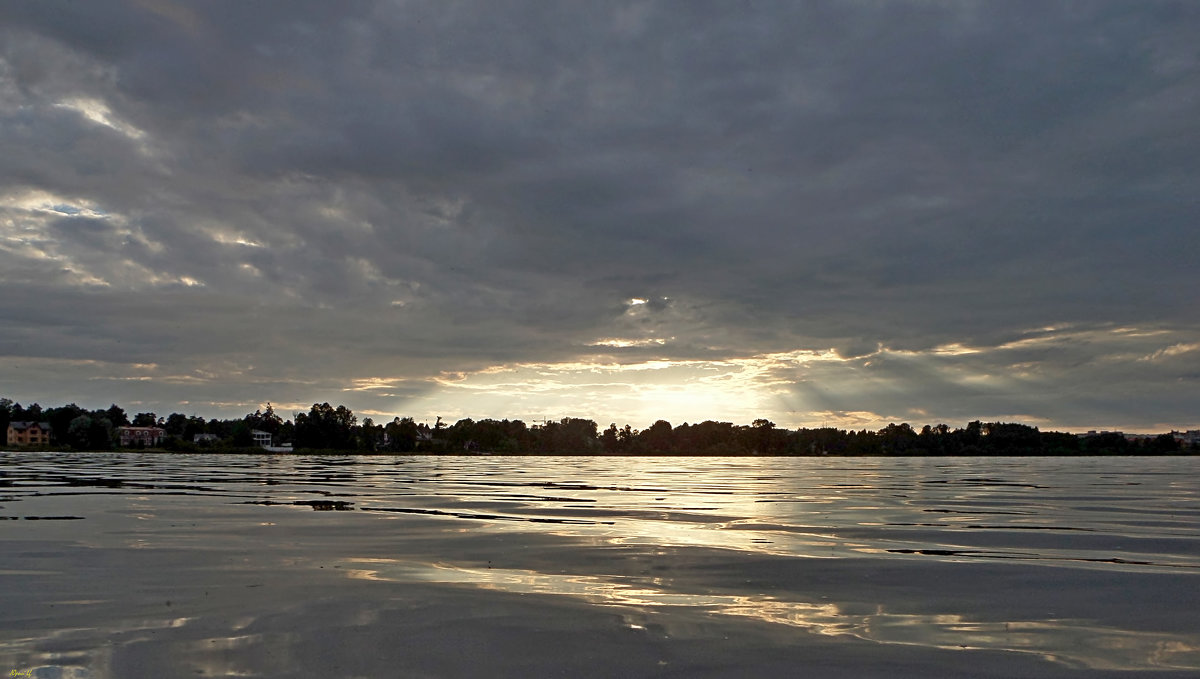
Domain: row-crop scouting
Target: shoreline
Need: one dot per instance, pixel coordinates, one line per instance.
(358, 453)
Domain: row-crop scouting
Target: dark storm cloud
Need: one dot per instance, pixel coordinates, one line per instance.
(339, 191)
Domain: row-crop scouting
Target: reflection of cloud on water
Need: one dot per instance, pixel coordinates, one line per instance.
(1075, 643)
(962, 554)
(56, 653)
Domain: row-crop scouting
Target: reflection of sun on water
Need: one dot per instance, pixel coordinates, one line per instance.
(1088, 646)
(690, 546)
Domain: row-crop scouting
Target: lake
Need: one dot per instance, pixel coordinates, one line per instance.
(159, 565)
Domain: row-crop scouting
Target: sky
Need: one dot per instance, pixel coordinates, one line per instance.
(829, 213)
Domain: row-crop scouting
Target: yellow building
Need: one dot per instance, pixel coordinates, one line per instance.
(28, 433)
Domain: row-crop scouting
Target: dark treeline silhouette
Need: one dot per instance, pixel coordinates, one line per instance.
(326, 428)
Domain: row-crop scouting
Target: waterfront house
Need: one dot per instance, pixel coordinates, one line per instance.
(140, 437)
(262, 438)
(28, 433)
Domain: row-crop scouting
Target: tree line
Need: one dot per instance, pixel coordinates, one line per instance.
(337, 429)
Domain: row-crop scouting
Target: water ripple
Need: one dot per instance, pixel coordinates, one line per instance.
(923, 552)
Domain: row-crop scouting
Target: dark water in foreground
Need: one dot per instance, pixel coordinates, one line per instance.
(130, 565)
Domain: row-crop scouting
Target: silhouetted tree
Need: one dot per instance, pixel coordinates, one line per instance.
(1058, 443)
(176, 424)
(243, 436)
(710, 438)
(656, 439)
(60, 422)
(863, 443)
(368, 436)
(264, 420)
(1162, 444)
(609, 439)
(145, 420)
(763, 439)
(1108, 443)
(823, 441)
(898, 439)
(116, 416)
(1002, 438)
(325, 427)
(568, 436)
(401, 435)
(90, 432)
(6, 408)
(461, 435)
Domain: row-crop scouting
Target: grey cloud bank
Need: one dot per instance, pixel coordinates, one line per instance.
(986, 210)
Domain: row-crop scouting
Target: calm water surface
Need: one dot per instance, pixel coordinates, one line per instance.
(123, 565)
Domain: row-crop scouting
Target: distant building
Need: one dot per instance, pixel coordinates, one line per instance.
(262, 438)
(28, 433)
(1187, 438)
(143, 437)
(205, 438)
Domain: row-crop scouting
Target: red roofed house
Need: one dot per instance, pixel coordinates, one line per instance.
(140, 436)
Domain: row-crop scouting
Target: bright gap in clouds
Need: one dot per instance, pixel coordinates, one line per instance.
(734, 390)
(1016, 380)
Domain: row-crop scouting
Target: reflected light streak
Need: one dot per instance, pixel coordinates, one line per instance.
(1092, 647)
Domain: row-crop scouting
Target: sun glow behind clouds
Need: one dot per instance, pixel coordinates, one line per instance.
(618, 343)
(638, 393)
(1012, 379)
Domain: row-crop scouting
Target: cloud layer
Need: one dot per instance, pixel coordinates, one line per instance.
(841, 212)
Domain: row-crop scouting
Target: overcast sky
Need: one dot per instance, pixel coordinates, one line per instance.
(843, 213)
